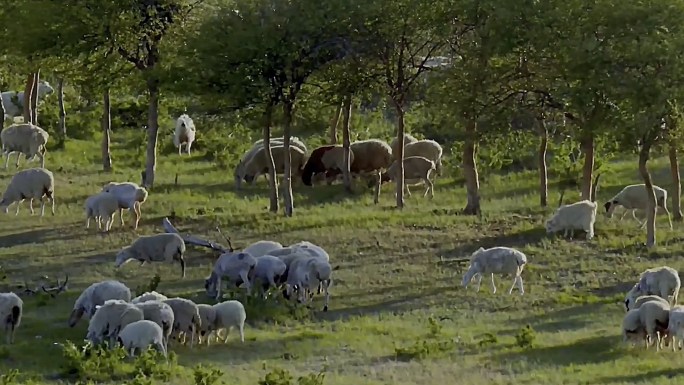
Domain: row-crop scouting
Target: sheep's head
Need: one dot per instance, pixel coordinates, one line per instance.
(632, 295)
(552, 226)
(610, 208)
(76, 316)
(210, 285)
(44, 88)
(4, 204)
(123, 256)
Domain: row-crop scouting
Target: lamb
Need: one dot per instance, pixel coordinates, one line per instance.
(130, 195)
(632, 329)
(141, 335)
(642, 300)
(675, 328)
(236, 266)
(99, 206)
(415, 168)
(230, 314)
(655, 317)
(24, 138)
(307, 272)
(96, 295)
(256, 165)
(186, 319)
(110, 318)
(408, 138)
(149, 296)
(160, 313)
(634, 197)
(184, 133)
(577, 216)
(268, 272)
(11, 310)
(208, 318)
(162, 247)
(663, 281)
(259, 248)
(325, 159)
(14, 101)
(427, 149)
(30, 184)
(496, 260)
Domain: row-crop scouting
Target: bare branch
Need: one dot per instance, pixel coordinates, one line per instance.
(230, 244)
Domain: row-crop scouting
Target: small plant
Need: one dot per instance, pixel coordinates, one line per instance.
(10, 377)
(206, 375)
(92, 362)
(280, 376)
(525, 338)
(435, 327)
(153, 364)
(424, 349)
(152, 285)
(488, 339)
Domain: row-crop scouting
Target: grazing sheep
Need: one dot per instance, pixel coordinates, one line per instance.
(257, 164)
(634, 197)
(427, 149)
(496, 260)
(236, 267)
(655, 317)
(663, 281)
(14, 101)
(268, 272)
(259, 248)
(675, 328)
(306, 273)
(258, 146)
(159, 312)
(408, 138)
(11, 309)
(230, 314)
(101, 206)
(110, 318)
(149, 296)
(184, 133)
(642, 300)
(325, 159)
(130, 196)
(165, 247)
(24, 138)
(314, 251)
(632, 329)
(186, 319)
(415, 168)
(208, 318)
(30, 184)
(96, 295)
(577, 216)
(140, 335)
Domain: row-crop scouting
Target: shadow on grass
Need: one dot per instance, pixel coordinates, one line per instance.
(591, 350)
(519, 239)
(38, 236)
(645, 378)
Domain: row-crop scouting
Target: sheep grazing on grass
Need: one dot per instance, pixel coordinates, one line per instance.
(662, 281)
(306, 273)
(675, 328)
(186, 319)
(259, 248)
(96, 295)
(634, 197)
(100, 206)
(184, 133)
(371, 156)
(159, 312)
(165, 247)
(24, 138)
(237, 267)
(130, 196)
(416, 168)
(258, 165)
(141, 335)
(229, 314)
(13, 101)
(632, 329)
(427, 149)
(258, 146)
(408, 138)
(33, 183)
(325, 159)
(268, 273)
(577, 216)
(110, 318)
(207, 317)
(496, 260)
(11, 309)
(654, 316)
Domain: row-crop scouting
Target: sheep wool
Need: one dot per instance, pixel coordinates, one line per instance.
(268, 272)
(230, 314)
(110, 318)
(306, 273)
(33, 183)
(24, 138)
(427, 149)
(496, 260)
(577, 216)
(140, 335)
(129, 195)
(663, 281)
(259, 248)
(257, 165)
(208, 318)
(408, 138)
(96, 295)
(101, 206)
(160, 313)
(236, 267)
(415, 167)
(13, 101)
(184, 133)
(165, 247)
(186, 319)
(632, 329)
(642, 300)
(655, 317)
(328, 160)
(675, 327)
(634, 197)
(11, 310)
(149, 296)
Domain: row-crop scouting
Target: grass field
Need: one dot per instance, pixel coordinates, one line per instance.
(398, 314)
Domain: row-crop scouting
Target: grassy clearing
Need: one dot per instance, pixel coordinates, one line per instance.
(398, 314)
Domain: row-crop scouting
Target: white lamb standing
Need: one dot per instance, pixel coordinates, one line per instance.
(425, 148)
(24, 138)
(663, 281)
(96, 295)
(130, 196)
(187, 319)
(577, 216)
(141, 335)
(236, 267)
(13, 101)
(110, 318)
(229, 314)
(268, 273)
(655, 317)
(416, 169)
(11, 310)
(184, 133)
(164, 247)
(306, 273)
(33, 183)
(160, 313)
(496, 260)
(634, 197)
(102, 205)
(149, 296)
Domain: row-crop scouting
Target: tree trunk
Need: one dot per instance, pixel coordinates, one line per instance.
(34, 98)
(152, 131)
(346, 142)
(272, 177)
(62, 111)
(399, 158)
(26, 103)
(2, 115)
(587, 146)
(106, 132)
(472, 178)
(651, 204)
(543, 173)
(676, 180)
(287, 175)
(334, 122)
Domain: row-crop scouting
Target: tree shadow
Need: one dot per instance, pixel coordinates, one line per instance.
(590, 350)
(39, 236)
(647, 377)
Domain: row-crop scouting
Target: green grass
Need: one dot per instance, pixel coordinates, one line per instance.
(398, 314)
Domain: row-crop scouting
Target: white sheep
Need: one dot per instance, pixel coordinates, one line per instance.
(427, 149)
(184, 133)
(237, 267)
(257, 165)
(642, 300)
(33, 183)
(208, 318)
(634, 197)
(130, 196)
(96, 295)
(164, 247)
(577, 216)
(186, 321)
(141, 335)
(258, 146)
(371, 156)
(14, 101)
(259, 248)
(663, 281)
(306, 273)
(416, 168)
(268, 272)
(408, 138)
(655, 317)
(24, 138)
(230, 314)
(675, 328)
(11, 310)
(159, 312)
(149, 296)
(312, 249)
(496, 260)
(110, 318)
(102, 205)
(632, 329)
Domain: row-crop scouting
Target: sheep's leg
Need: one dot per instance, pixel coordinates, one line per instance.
(493, 285)
(565, 233)
(187, 147)
(225, 339)
(87, 222)
(669, 219)
(136, 210)
(31, 206)
(7, 155)
(590, 233)
(241, 328)
(18, 205)
(18, 155)
(623, 214)
(179, 148)
(121, 216)
(430, 188)
(479, 281)
(326, 285)
(515, 283)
